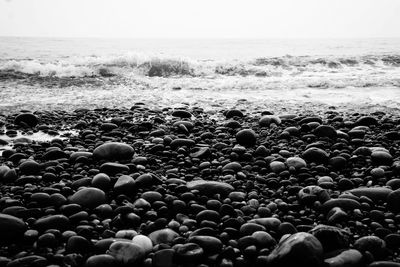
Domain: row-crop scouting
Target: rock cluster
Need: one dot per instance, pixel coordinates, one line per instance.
(175, 187)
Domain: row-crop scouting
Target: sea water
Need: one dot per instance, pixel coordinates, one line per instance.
(332, 71)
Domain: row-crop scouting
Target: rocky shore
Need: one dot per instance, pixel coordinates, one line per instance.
(184, 187)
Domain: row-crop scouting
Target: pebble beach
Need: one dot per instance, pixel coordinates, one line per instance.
(147, 185)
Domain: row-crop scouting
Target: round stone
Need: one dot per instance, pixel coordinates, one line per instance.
(300, 250)
(325, 131)
(113, 151)
(366, 121)
(165, 236)
(29, 167)
(381, 158)
(266, 120)
(296, 162)
(11, 228)
(314, 154)
(101, 181)
(26, 118)
(143, 242)
(246, 137)
(264, 239)
(338, 162)
(249, 228)
(372, 244)
(89, 197)
(277, 166)
(189, 253)
(233, 113)
(126, 252)
(331, 237)
(124, 185)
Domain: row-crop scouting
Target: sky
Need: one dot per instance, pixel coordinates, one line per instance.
(201, 18)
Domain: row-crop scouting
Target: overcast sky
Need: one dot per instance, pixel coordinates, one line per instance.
(201, 18)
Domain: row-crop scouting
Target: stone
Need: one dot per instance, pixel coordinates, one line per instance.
(277, 166)
(181, 113)
(309, 194)
(338, 162)
(346, 258)
(11, 228)
(300, 250)
(180, 142)
(373, 244)
(112, 168)
(113, 151)
(344, 203)
(296, 162)
(124, 185)
(57, 221)
(266, 120)
(264, 239)
(234, 166)
(165, 236)
(126, 252)
(101, 260)
(384, 264)
(29, 167)
(249, 228)
(246, 137)
(164, 258)
(189, 253)
(126, 234)
(325, 131)
(234, 113)
(374, 193)
(89, 197)
(314, 154)
(381, 158)
(210, 244)
(78, 244)
(210, 187)
(366, 121)
(143, 242)
(201, 152)
(28, 119)
(32, 260)
(393, 201)
(101, 181)
(331, 237)
(269, 223)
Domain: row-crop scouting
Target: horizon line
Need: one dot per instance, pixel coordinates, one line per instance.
(199, 37)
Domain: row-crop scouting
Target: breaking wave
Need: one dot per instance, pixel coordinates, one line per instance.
(314, 72)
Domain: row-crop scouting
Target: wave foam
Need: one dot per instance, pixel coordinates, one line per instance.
(299, 71)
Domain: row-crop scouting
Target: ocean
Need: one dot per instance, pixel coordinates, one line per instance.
(60, 71)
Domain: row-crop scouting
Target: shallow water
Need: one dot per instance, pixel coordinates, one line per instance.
(45, 73)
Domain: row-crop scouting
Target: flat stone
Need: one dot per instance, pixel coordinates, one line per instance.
(89, 197)
(114, 151)
(374, 193)
(210, 187)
